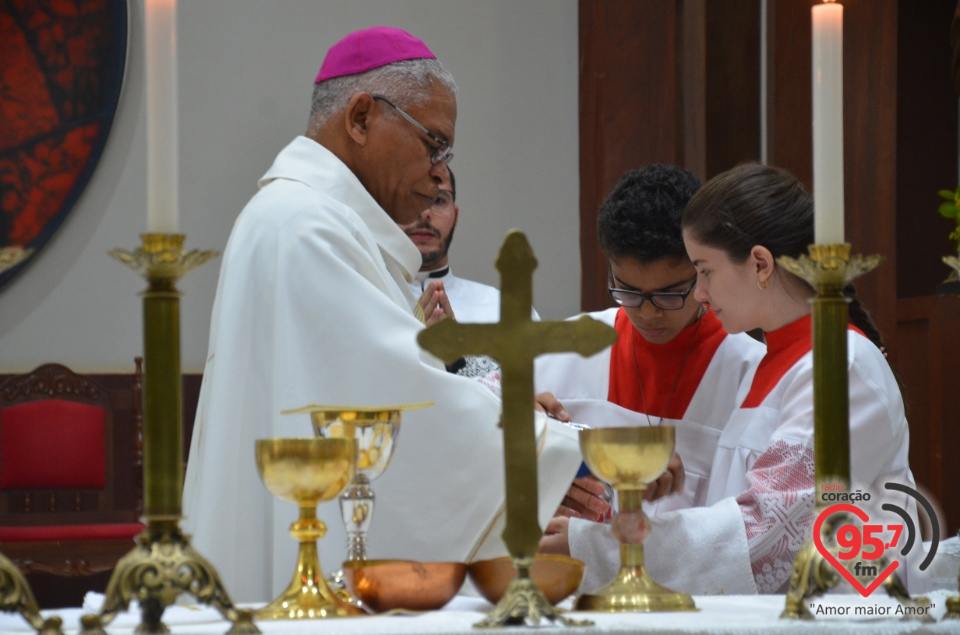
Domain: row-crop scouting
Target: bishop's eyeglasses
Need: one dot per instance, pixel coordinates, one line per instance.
(441, 150)
(663, 300)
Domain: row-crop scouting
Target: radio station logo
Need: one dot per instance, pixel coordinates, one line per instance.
(860, 551)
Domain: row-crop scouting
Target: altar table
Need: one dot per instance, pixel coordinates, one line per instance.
(718, 615)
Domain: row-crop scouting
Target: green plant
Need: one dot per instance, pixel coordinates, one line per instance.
(950, 208)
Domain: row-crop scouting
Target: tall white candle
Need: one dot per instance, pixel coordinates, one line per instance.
(828, 123)
(161, 52)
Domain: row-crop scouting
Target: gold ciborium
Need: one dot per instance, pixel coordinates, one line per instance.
(307, 472)
(629, 459)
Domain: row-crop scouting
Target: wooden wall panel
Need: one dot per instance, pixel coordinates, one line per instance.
(732, 85)
(629, 109)
(789, 81)
(870, 141)
(926, 144)
(927, 328)
(662, 81)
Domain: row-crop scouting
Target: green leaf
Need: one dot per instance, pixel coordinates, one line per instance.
(947, 194)
(949, 210)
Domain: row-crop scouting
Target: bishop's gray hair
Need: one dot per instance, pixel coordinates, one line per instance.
(406, 83)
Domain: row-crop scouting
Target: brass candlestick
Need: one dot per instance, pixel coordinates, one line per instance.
(163, 565)
(16, 597)
(307, 472)
(829, 269)
(15, 593)
(629, 459)
(514, 342)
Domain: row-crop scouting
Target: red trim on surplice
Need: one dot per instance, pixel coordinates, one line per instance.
(659, 365)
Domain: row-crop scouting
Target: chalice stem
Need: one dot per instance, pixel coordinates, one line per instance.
(356, 509)
(308, 594)
(631, 502)
(632, 589)
(631, 556)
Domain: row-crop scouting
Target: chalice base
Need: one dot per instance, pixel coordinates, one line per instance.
(308, 596)
(634, 591)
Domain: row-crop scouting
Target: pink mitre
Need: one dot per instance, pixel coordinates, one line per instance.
(371, 48)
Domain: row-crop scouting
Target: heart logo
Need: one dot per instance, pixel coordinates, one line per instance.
(825, 552)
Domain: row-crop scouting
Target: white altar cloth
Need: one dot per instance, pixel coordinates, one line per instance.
(718, 615)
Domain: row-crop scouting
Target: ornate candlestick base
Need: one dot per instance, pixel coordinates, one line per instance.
(829, 270)
(163, 565)
(524, 603)
(813, 575)
(953, 608)
(16, 597)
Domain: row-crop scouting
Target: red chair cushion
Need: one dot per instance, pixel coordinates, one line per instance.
(113, 531)
(52, 444)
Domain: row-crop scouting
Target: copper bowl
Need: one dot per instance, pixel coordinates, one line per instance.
(557, 576)
(387, 585)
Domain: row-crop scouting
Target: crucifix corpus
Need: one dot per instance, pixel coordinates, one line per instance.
(514, 342)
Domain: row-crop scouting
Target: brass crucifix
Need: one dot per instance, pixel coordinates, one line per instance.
(514, 342)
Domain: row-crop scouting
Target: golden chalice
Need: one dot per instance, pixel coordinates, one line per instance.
(629, 459)
(376, 430)
(307, 472)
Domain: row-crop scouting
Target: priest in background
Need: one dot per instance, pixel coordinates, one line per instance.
(441, 293)
(313, 306)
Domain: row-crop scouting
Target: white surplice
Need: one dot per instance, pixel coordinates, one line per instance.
(761, 495)
(572, 378)
(313, 306)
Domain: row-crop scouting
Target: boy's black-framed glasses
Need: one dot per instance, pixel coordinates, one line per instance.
(663, 300)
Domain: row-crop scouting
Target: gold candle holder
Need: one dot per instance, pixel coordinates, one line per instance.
(163, 565)
(16, 597)
(829, 269)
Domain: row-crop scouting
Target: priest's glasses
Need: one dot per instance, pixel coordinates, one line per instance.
(629, 459)
(307, 472)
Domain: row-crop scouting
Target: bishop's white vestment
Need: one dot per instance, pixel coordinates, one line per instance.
(761, 495)
(313, 306)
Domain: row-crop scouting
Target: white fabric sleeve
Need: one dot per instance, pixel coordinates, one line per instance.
(778, 509)
(701, 550)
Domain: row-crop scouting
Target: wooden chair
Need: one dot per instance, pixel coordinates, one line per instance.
(71, 477)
